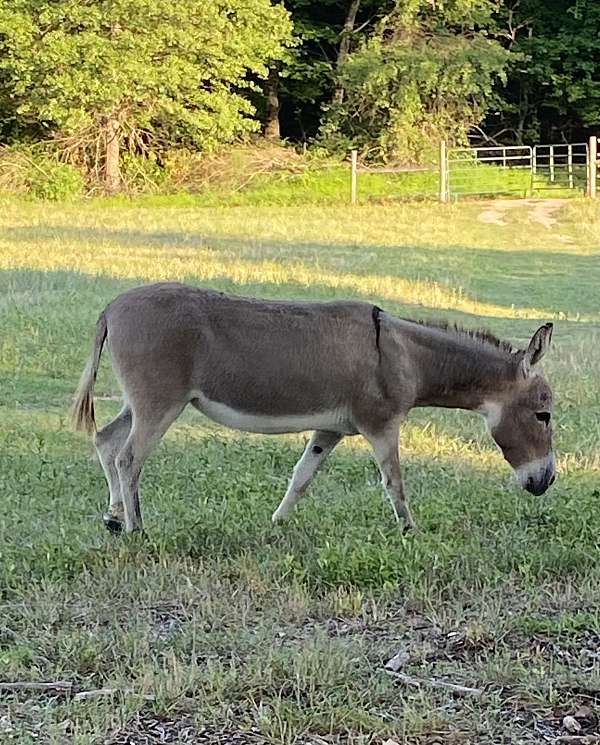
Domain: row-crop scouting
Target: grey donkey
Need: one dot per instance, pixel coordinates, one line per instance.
(336, 368)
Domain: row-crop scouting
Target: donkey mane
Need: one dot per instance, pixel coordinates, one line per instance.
(479, 335)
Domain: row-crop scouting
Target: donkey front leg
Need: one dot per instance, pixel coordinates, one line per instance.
(385, 447)
(318, 448)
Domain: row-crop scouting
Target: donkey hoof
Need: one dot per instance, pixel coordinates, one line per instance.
(112, 523)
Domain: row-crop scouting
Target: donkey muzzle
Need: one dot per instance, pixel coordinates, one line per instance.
(536, 477)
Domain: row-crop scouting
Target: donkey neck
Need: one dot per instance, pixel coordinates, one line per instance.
(454, 369)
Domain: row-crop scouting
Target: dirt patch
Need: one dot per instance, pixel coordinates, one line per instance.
(543, 211)
(540, 211)
(153, 729)
(494, 214)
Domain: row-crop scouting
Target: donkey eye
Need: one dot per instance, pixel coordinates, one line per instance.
(543, 416)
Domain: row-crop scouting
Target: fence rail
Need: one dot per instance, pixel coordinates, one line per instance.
(512, 170)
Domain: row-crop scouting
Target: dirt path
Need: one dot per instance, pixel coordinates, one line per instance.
(540, 211)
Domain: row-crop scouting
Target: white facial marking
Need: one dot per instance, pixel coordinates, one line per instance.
(534, 469)
(491, 411)
(335, 421)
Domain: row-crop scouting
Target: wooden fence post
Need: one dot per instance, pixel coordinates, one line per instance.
(443, 172)
(551, 163)
(592, 167)
(354, 155)
(570, 164)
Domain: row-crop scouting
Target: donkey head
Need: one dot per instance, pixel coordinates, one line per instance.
(520, 421)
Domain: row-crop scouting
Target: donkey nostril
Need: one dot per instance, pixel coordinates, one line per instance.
(529, 486)
(552, 480)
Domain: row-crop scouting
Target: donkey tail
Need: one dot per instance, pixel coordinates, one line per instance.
(83, 408)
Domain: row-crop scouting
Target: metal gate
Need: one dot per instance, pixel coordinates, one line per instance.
(560, 167)
(517, 170)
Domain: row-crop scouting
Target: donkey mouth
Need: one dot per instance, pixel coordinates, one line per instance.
(539, 486)
(539, 476)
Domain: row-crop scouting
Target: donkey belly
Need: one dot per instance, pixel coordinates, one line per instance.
(271, 424)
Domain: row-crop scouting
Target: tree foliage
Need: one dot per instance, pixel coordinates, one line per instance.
(390, 77)
(177, 69)
(309, 74)
(422, 76)
(553, 85)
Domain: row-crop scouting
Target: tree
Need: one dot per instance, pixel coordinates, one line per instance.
(111, 71)
(272, 129)
(344, 47)
(306, 80)
(553, 80)
(425, 73)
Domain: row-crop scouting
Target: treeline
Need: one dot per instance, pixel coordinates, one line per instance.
(116, 85)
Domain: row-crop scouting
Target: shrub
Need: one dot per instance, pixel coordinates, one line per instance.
(40, 174)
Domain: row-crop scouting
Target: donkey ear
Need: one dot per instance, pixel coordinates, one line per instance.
(538, 346)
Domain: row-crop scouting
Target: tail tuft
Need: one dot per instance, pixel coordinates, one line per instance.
(82, 413)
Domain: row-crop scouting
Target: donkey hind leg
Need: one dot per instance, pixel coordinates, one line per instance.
(385, 447)
(318, 448)
(109, 441)
(147, 430)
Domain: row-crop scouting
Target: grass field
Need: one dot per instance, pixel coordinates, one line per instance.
(279, 634)
(329, 184)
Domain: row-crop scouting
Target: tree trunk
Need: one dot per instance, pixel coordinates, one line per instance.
(272, 115)
(112, 168)
(523, 114)
(338, 95)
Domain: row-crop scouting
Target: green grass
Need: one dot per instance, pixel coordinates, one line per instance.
(237, 625)
(329, 184)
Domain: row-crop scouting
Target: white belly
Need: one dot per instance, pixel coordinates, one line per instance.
(329, 421)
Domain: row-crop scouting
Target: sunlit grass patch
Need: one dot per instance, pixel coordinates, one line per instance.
(203, 266)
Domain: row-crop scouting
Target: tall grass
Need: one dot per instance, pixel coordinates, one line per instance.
(270, 175)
